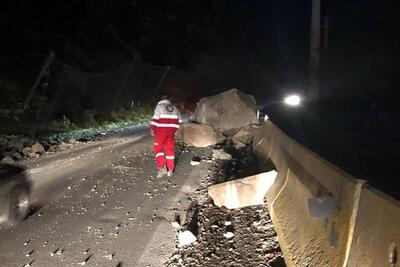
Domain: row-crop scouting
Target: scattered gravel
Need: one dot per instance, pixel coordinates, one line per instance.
(240, 237)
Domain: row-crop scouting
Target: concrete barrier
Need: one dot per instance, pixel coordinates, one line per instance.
(376, 236)
(331, 241)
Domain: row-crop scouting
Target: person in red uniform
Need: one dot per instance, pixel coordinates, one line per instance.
(165, 123)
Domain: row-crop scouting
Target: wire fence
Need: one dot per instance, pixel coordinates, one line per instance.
(54, 90)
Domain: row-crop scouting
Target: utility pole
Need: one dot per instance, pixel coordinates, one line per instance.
(121, 88)
(313, 75)
(326, 32)
(167, 69)
(46, 65)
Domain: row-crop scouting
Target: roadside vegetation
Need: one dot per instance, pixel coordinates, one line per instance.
(65, 129)
(64, 133)
(39, 123)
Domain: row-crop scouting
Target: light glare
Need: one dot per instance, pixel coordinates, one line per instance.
(292, 100)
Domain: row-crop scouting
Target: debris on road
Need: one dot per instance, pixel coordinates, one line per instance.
(12, 144)
(37, 148)
(8, 160)
(245, 135)
(64, 145)
(199, 135)
(26, 151)
(228, 237)
(239, 145)
(29, 264)
(99, 221)
(221, 154)
(110, 256)
(29, 253)
(195, 161)
(176, 225)
(242, 192)
(17, 156)
(186, 238)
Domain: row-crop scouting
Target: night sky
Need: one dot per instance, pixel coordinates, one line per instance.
(259, 46)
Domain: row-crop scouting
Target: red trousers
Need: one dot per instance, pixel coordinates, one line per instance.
(164, 148)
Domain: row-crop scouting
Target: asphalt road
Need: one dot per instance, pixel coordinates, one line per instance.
(100, 205)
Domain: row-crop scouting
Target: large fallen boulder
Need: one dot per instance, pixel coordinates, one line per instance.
(242, 192)
(227, 112)
(199, 135)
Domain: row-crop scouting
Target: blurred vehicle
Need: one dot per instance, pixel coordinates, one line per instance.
(15, 189)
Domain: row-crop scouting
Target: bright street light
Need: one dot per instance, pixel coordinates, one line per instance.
(292, 100)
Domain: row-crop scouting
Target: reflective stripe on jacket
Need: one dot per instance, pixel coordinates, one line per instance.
(166, 115)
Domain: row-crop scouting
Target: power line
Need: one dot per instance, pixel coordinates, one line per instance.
(23, 54)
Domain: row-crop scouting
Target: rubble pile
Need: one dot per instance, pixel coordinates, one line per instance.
(238, 237)
(245, 136)
(16, 147)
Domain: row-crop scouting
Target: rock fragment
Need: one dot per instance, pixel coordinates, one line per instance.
(245, 135)
(110, 256)
(16, 156)
(26, 151)
(195, 163)
(52, 149)
(64, 145)
(229, 235)
(8, 160)
(29, 253)
(186, 238)
(176, 225)
(242, 192)
(85, 260)
(221, 154)
(199, 135)
(37, 148)
(29, 264)
(72, 141)
(239, 145)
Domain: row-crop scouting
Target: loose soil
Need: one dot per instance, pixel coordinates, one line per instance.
(254, 242)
